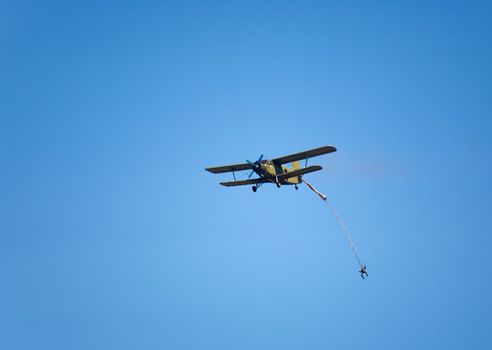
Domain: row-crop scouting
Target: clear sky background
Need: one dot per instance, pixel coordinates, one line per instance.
(112, 236)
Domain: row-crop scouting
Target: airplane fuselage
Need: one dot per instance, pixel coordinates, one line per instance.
(271, 170)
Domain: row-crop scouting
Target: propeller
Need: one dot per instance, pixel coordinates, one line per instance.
(255, 165)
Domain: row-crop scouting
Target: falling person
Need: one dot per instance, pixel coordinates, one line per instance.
(363, 272)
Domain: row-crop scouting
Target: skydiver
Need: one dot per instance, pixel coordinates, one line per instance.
(363, 271)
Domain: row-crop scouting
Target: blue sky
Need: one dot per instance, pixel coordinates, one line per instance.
(112, 236)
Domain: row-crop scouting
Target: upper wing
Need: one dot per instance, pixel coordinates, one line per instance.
(303, 155)
(244, 182)
(298, 172)
(229, 168)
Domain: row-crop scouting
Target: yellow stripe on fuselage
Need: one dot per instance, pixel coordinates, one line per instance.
(270, 171)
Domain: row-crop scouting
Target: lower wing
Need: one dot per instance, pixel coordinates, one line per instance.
(244, 182)
(298, 172)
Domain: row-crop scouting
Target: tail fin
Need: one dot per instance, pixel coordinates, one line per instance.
(296, 165)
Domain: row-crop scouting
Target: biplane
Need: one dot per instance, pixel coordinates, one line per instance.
(275, 170)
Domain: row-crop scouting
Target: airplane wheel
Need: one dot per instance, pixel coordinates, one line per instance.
(254, 188)
(296, 187)
(278, 185)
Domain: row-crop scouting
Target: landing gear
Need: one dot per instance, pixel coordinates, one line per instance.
(296, 187)
(276, 181)
(256, 187)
